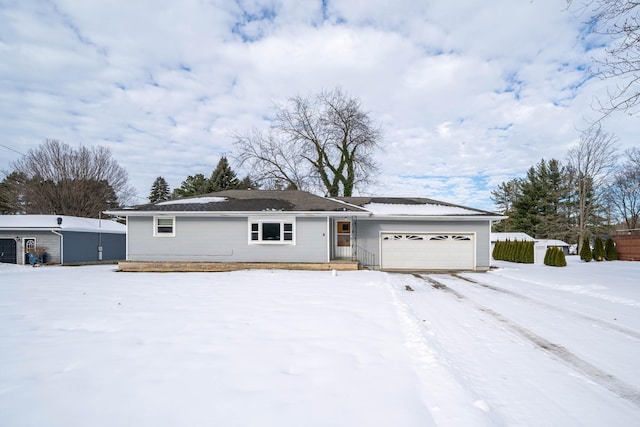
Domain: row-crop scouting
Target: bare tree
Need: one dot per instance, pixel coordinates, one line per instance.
(624, 191)
(274, 162)
(590, 163)
(57, 178)
(620, 20)
(324, 141)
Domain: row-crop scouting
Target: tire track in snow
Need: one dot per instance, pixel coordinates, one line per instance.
(603, 323)
(608, 381)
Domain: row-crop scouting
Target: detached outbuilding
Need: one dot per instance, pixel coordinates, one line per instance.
(60, 239)
(540, 245)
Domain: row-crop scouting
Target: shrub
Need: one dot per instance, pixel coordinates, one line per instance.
(529, 257)
(598, 249)
(561, 260)
(585, 252)
(555, 257)
(610, 252)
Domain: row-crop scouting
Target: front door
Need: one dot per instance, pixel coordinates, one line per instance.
(343, 240)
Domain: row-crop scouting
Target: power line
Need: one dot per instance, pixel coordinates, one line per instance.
(15, 151)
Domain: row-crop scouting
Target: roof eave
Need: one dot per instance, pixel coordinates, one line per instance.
(238, 213)
(439, 217)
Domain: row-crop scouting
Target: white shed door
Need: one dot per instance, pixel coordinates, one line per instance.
(427, 251)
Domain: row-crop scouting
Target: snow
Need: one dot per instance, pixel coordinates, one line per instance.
(417, 209)
(521, 345)
(195, 200)
(69, 223)
(503, 237)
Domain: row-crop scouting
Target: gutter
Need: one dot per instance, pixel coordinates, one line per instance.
(61, 246)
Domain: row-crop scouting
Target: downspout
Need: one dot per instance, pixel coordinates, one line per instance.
(61, 246)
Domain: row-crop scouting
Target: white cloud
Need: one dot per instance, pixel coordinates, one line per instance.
(467, 93)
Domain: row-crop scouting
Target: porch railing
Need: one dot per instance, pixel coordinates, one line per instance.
(364, 257)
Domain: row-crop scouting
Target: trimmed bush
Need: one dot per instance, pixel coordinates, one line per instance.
(585, 252)
(610, 253)
(598, 249)
(555, 257)
(516, 251)
(561, 260)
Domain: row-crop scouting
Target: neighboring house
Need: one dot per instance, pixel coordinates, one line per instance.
(296, 229)
(540, 245)
(64, 239)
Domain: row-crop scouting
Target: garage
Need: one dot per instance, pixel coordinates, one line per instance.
(8, 251)
(427, 251)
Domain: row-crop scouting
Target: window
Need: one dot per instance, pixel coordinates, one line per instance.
(270, 231)
(164, 226)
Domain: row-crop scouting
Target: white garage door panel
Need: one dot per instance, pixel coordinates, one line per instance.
(427, 251)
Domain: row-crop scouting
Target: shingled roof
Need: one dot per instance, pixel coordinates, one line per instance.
(251, 201)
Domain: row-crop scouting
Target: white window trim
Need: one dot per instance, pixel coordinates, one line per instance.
(279, 220)
(155, 226)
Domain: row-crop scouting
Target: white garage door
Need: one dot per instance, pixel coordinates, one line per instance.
(427, 251)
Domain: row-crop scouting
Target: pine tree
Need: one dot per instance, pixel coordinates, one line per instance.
(585, 252)
(610, 250)
(193, 186)
(598, 249)
(547, 257)
(159, 190)
(223, 177)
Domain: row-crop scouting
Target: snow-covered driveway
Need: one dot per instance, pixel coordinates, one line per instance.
(521, 345)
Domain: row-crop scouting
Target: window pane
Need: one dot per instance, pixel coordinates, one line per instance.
(344, 240)
(288, 227)
(288, 236)
(254, 236)
(165, 221)
(254, 227)
(271, 231)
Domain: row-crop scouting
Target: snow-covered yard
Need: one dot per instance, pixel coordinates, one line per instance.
(521, 345)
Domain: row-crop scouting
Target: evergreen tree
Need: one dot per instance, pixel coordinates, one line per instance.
(504, 197)
(541, 208)
(585, 251)
(610, 250)
(530, 253)
(598, 249)
(193, 186)
(496, 249)
(562, 259)
(247, 184)
(159, 190)
(223, 177)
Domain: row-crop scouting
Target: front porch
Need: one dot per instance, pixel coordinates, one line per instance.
(179, 266)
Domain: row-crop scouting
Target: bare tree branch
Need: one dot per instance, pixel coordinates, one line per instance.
(590, 163)
(323, 142)
(57, 178)
(620, 21)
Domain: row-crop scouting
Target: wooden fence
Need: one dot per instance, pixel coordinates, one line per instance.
(628, 245)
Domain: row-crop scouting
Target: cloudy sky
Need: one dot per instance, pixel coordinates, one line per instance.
(468, 93)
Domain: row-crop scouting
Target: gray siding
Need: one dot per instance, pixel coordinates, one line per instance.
(368, 234)
(82, 247)
(44, 239)
(209, 239)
